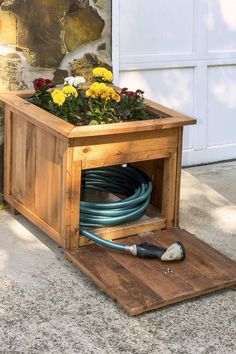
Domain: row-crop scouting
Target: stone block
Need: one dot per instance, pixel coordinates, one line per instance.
(11, 72)
(8, 25)
(46, 29)
(83, 66)
(82, 26)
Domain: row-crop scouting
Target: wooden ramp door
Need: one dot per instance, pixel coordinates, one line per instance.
(141, 285)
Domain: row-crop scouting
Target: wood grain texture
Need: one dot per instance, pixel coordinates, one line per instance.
(141, 285)
(7, 186)
(76, 171)
(123, 148)
(130, 228)
(33, 217)
(178, 176)
(154, 169)
(169, 189)
(36, 115)
(128, 127)
(34, 172)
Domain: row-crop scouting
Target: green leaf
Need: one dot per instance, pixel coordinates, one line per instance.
(93, 122)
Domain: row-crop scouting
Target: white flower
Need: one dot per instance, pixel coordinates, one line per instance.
(74, 81)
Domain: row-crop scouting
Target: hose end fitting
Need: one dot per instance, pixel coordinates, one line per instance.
(175, 252)
(131, 249)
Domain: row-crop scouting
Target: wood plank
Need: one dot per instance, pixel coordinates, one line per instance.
(115, 280)
(123, 230)
(66, 192)
(56, 183)
(76, 171)
(7, 187)
(213, 264)
(128, 127)
(125, 144)
(141, 285)
(30, 166)
(154, 169)
(148, 270)
(127, 158)
(169, 189)
(48, 181)
(18, 158)
(37, 115)
(178, 176)
(36, 220)
(168, 138)
(44, 152)
(182, 272)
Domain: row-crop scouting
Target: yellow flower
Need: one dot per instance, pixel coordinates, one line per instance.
(116, 97)
(96, 89)
(102, 90)
(70, 91)
(103, 73)
(106, 96)
(55, 92)
(58, 97)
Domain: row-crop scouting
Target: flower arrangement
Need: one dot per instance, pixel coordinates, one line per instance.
(98, 104)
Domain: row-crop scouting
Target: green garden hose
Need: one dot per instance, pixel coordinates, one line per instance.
(137, 188)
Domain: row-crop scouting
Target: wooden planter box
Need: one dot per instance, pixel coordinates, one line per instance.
(45, 156)
(44, 159)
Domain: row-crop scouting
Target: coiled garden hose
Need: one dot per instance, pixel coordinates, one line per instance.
(137, 188)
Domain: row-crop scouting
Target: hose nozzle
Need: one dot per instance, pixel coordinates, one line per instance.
(175, 252)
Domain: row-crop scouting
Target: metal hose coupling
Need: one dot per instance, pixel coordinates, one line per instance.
(175, 252)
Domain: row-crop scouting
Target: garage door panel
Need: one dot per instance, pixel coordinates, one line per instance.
(221, 105)
(221, 25)
(154, 27)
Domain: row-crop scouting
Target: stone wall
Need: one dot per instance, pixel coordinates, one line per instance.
(40, 38)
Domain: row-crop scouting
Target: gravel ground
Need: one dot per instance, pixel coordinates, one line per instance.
(48, 306)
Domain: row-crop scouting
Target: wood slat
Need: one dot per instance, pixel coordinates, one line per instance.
(35, 220)
(127, 158)
(30, 166)
(139, 126)
(7, 187)
(141, 285)
(147, 271)
(48, 184)
(36, 115)
(117, 281)
(155, 170)
(76, 171)
(169, 189)
(18, 158)
(178, 176)
(220, 265)
(131, 228)
(33, 172)
(59, 149)
(118, 146)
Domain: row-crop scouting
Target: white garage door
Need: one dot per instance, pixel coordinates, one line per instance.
(182, 53)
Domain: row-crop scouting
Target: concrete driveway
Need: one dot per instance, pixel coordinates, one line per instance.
(48, 306)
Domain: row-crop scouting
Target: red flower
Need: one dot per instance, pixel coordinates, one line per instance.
(139, 92)
(40, 82)
(124, 90)
(48, 82)
(131, 94)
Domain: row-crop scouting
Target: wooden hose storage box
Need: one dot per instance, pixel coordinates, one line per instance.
(44, 157)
